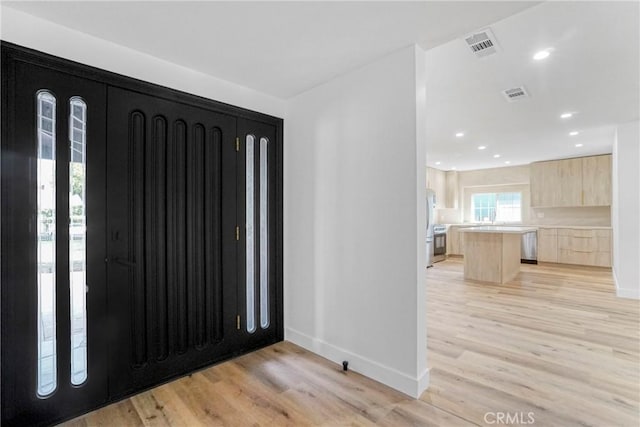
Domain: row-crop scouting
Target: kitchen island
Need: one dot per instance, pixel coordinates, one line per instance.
(492, 253)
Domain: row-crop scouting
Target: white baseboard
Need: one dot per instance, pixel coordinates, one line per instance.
(408, 385)
(633, 293)
(628, 293)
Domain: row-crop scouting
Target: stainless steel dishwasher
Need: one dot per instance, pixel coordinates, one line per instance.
(529, 248)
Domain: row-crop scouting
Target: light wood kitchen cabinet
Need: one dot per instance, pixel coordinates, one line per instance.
(547, 245)
(436, 180)
(451, 179)
(455, 240)
(583, 181)
(569, 183)
(584, 247)
(543, 183)
(596, 180)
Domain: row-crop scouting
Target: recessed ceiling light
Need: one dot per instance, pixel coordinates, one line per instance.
(482, 147)
(573, 133)
(566, 115)
(507, 162)
(496, 156)
(541, 54)
(578, 145)
(437, 163)
(459, 134)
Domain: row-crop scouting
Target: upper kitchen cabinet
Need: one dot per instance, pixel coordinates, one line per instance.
(445, 185)
(452, 189)
(543, 183)
(596, 180)
(436, 181)
(584, 181)
(569, 183)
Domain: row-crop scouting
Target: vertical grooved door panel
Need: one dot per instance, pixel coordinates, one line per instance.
(159, 142)
(195, 235)
(213, 235)
(136, 142)
(179, 223)
(170, 275)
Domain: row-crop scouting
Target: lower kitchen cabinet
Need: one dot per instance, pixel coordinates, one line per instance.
(548, 244)
(455, 240)
(584, 247)
(579, 246)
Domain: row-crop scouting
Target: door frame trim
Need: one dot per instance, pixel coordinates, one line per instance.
(11, 51)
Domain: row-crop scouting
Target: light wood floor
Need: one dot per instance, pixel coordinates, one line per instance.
(555, 342)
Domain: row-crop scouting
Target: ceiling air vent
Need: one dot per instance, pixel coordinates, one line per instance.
(482, 43)
(515, 94)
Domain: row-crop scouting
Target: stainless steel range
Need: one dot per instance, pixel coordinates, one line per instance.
(439, 242)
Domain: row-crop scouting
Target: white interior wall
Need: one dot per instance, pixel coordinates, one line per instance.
(354, 241)
(355, 220)
(626, 210)
(35, 33)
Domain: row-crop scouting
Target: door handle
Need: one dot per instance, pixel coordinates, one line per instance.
(123, 261)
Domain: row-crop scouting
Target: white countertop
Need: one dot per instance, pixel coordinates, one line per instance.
(576, 227)
(497, 229)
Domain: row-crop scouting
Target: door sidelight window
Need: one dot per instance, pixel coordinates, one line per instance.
(78, 238)
(264, 235)
(250, 235)
(257, 232)
(46, 243)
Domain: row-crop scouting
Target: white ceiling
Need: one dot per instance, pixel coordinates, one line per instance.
(593, 71)
(280, 48)
(285, 48)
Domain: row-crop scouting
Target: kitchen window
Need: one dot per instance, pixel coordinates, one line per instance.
(497, 207)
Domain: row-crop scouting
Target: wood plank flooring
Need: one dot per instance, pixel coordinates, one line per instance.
(555, 342)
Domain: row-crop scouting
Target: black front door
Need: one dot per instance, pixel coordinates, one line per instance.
(171, 213)
(53, 273)
(141, 236)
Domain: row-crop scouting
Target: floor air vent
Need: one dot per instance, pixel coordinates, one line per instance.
(482, 43)
(515, 94)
